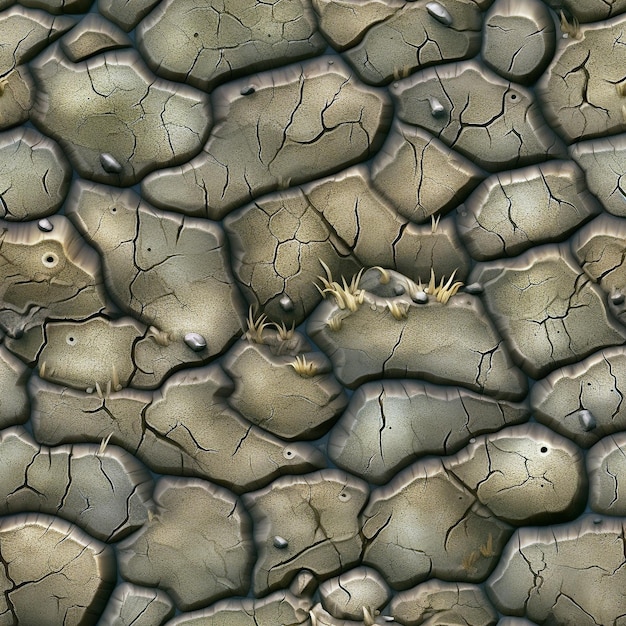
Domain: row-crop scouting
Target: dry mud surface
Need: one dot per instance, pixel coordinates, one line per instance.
(312, 312)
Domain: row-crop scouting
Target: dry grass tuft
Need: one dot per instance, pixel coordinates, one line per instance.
(256, 327)
(399, 310)
(571, 30)
(283, 332)
(442, 292)
(335, 322)
(434, 223)
(346, 295)
(303, 367)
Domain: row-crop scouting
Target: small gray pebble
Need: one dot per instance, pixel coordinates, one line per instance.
(45, 225)
(474, 288)
(286, 303)
(439, 12)
(280, 542)
(110, 164)
(436, 108)
(195, 341)
(587, 420)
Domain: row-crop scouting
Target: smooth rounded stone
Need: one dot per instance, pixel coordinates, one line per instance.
(106, 493)
(197, 547)
(600, 250)
(346, 595)
(515, 621)
(434, 178)
(169, 271)
(453, 343)
(46, 275)
(14, 402)
(126, 13)
(17, 95)
(280, 607)
(34, 175)
(287, 261)
(424, 523)
(414, 38)
(587, 420)
(131, 605)
(119, 108)
(595, 386)
(440, 13)
(524, 474)
(270, 393)
(514, 211)
(497, 125)
(191, 413)
(604, 162)
(388, 424)
(53, 572)
(195, 341)
(302, 122)
(580, 91)
(83, 354)
(617, 297)
(286, 304)
(93, 35)
(474, 289)
(206, 42)
(317, 514)
(547, 309)
(566, 574)
(438, 602)
(109, 164)
(345, 22)
(606, 466)
(45, 225)
(519, 39)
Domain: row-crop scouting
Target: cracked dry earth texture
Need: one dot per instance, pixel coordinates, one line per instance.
(312, 312)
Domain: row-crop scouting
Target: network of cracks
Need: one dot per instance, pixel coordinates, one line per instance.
(312, 312)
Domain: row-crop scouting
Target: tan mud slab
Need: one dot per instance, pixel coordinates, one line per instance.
(312, 312)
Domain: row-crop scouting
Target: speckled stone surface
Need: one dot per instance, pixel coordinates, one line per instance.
(312, 312)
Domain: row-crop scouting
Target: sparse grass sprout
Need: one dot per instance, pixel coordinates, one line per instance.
(256, 327)
(346, 295)
(442, 292)
(399, 310)
(303, 367)
(570, 30)
(283, 332)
